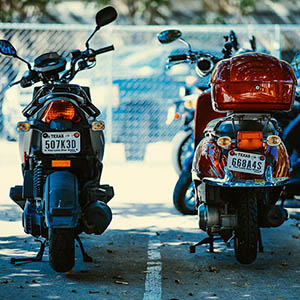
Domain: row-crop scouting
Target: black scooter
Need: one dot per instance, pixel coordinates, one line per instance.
(61, 147)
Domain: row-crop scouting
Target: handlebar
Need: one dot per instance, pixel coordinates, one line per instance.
(179, 57)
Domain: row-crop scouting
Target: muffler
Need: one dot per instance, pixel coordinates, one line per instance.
(96, 217)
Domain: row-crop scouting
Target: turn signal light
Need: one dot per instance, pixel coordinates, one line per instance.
(273, 140)
(96, 126)
(250, 140)
(177, 116)
(224, 141)
(23, 126)
(60, 109)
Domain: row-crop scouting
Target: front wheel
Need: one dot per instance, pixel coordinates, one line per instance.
(246, 237)
(61, 249)
(184, 194)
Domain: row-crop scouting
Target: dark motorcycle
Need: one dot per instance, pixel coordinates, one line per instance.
(61, 147)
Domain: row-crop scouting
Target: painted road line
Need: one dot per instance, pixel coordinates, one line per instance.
(153, 277)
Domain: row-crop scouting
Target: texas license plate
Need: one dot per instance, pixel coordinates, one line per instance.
(60, 142)
(246, 162)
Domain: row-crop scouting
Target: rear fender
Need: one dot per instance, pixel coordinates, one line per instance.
(60, 197)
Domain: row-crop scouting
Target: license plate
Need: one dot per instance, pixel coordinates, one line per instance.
(246, 162)
(60, 142)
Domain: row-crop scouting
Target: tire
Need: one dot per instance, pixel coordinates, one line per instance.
(181, 149)
(246, 236)
(184, 195)
(62, 249)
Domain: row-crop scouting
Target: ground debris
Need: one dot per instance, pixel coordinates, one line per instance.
(177, 281)
(296, 236)
(121, 282)
(213, 269)
(94, 292)
(191, 294)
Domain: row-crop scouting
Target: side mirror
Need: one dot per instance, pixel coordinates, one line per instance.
(169, 36)
(105, 16)
(6, 48)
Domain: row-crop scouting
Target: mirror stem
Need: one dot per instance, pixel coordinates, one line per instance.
(186, 43)
(87, 42)
(25, 61)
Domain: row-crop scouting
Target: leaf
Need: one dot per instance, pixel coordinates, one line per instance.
(121, 282)
(213, 269)
(94, 292)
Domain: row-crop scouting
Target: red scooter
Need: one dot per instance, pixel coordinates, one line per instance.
(241, 166)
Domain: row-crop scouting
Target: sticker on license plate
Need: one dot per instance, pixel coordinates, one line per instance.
(60, 142)
(246, 162)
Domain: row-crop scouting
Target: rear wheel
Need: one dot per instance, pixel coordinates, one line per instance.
(61, 249)
(246, 237)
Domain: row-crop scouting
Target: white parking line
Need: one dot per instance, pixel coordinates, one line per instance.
(153, 277)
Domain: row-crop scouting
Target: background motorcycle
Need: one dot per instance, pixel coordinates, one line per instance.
(61, 147)
(241, 166)
(182, 110)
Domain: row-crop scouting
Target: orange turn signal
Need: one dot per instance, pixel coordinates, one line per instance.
(224, 141)
(273, 140)
(177, 116)
(250, 140)
(96, 126)
(23, 126)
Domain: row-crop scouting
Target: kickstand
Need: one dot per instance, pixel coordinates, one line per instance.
(260, 244)
(85, 256)
(209, 240)
(38, 257)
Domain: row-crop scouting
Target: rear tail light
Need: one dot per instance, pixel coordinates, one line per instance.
(250, 140)
(60, 109)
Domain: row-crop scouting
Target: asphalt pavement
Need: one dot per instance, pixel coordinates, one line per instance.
(144, 255)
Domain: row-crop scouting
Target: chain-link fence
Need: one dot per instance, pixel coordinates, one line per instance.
(131, 86)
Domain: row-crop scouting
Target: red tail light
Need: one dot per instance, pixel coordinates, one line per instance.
(60, 109)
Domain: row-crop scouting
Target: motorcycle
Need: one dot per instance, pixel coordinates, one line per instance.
(241, 166)
(61, 147)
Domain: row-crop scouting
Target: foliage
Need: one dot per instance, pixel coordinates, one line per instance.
(20, 10)
(151, 11)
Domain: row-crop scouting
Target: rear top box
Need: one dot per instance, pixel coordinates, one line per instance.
(253, 82)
